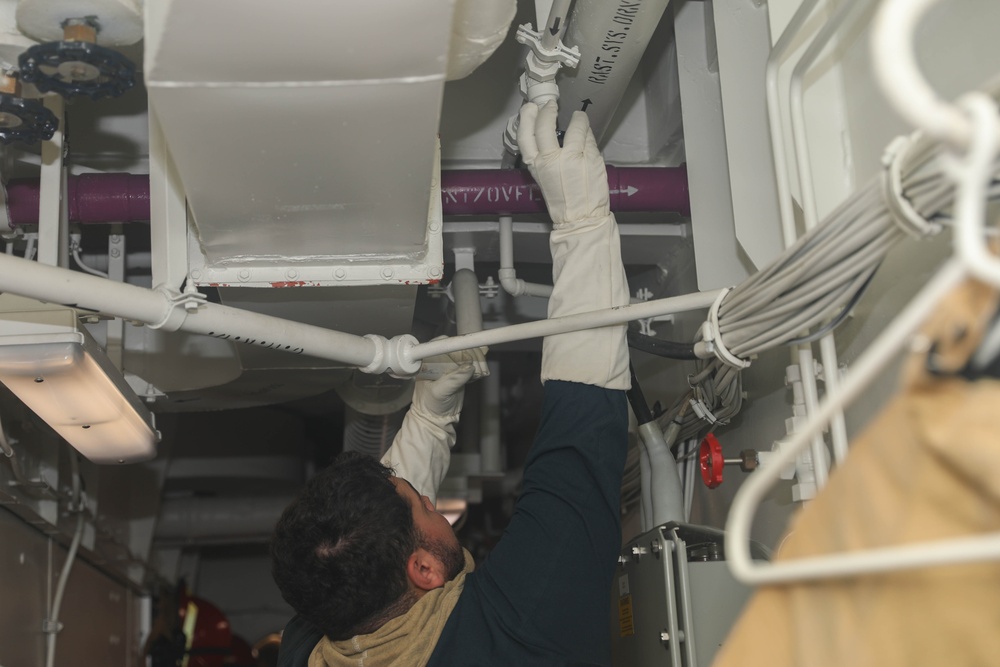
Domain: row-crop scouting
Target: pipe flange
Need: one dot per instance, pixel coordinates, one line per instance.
(400, 358)
(378, 362)
(560, 53)
(393, 356)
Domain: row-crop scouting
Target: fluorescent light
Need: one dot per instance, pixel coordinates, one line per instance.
(62, 374)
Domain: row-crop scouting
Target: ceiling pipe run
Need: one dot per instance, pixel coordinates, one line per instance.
(170, 311)
(91, 198)
(508, 191)
(120, 198)
(218, 520)
(611, 36)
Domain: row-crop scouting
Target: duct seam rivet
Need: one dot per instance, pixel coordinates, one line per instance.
(387, 273)
(195, 275)
(434, 272)
(435, 225)
(340, 274)
(244, 275)
(292, 274)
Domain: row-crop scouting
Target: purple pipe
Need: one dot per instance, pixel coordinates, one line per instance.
(105, 198)
(93, 198)
(500, 191)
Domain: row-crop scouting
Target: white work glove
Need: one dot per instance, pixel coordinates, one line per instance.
(587, 269)
(421, 451)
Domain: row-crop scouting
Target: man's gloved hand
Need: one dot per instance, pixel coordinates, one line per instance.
(440, 400)
(421, 451)
(573, 180)
(587, 269)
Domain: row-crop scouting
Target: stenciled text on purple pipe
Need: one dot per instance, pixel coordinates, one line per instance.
(120, 198)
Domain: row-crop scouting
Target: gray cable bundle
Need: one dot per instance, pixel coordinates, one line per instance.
(815, 282)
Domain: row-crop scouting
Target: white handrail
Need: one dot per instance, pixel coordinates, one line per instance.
(862, 372)
(828, 347)
(973, 181)
(558, 325)
(898, 74)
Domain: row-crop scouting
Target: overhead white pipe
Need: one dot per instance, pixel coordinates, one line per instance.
(164, 309)
(468, 311)
(551, 20)
(507, 274)
(590, 320)
(157, 308)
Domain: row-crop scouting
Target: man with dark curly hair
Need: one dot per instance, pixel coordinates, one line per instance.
(363, 556)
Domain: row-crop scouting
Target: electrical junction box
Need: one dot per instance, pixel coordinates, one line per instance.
(673, 598)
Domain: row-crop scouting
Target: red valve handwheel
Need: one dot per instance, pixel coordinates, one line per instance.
(710, 457)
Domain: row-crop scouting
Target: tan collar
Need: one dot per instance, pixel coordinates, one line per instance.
(406, 640)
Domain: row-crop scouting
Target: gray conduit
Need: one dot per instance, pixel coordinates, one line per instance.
(612, 35)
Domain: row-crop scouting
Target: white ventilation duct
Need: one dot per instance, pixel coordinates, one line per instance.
(478, 27)
(193, 520)
(12, 41)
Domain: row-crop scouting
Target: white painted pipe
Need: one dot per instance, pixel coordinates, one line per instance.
(611, 36)
(490, 445)
(645, 480)
(468, 311)
(558, 325)
(80, 290)
(507, 274)
(553, 26)
(665, 490)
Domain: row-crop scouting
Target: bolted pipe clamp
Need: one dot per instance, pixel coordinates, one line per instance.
(543, 63)
(179, 304)
(393, 356)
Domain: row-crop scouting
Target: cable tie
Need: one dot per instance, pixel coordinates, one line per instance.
(713, 337)
(900, 208)
(702, 411)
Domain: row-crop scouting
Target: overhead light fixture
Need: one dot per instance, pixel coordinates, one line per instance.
(59, 371)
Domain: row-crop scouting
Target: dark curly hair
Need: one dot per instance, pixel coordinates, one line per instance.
(339, 550)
